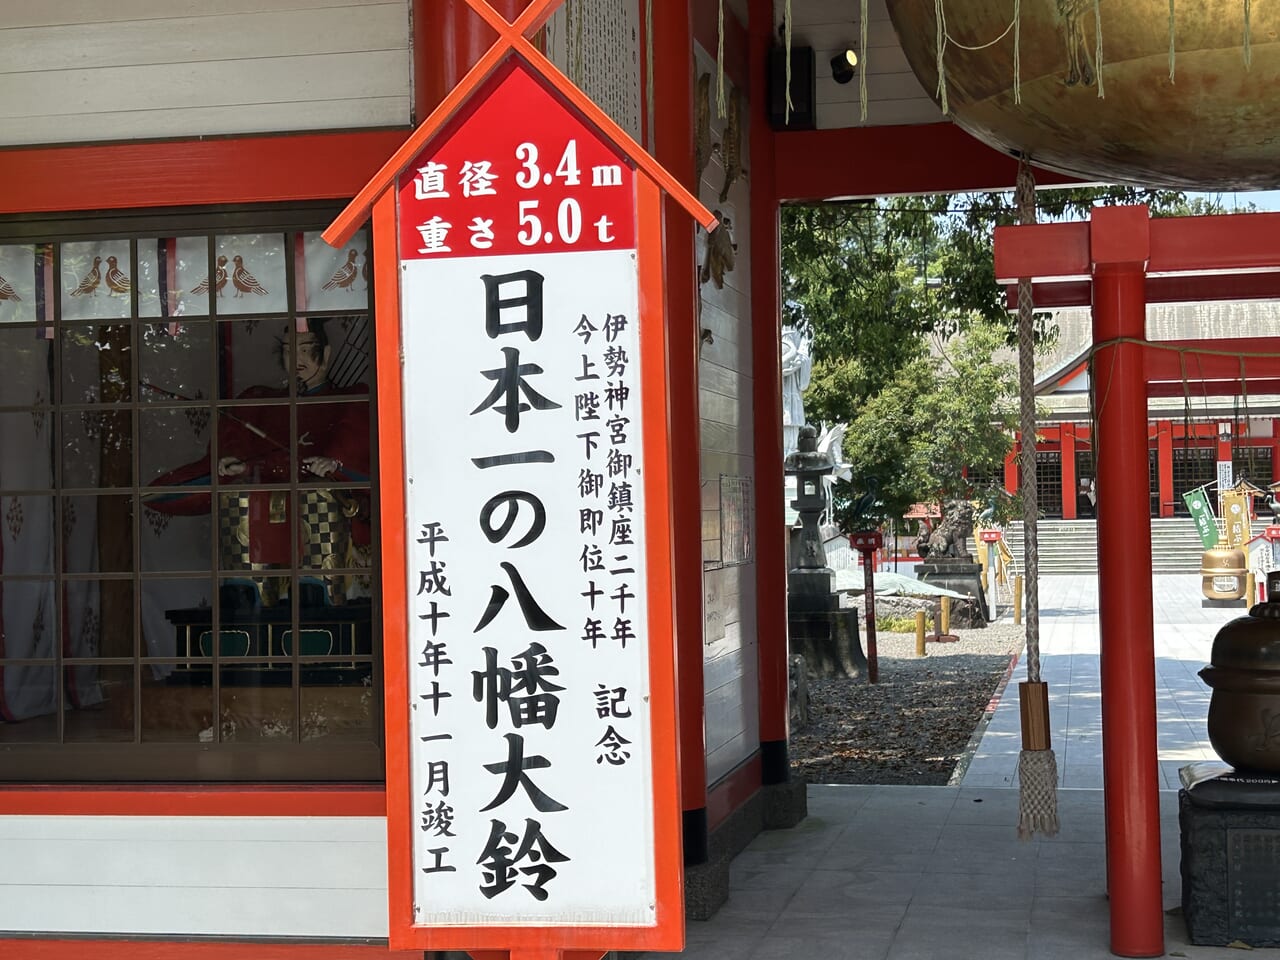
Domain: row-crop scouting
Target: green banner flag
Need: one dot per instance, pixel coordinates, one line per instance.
(1198, 504)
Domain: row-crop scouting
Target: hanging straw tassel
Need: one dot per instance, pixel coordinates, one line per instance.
(786, 30)
(1037, 768)
(1097, 26)
(1248, 34)
(720, 106)
(862, 61)
(941, 17)
(1017, 51)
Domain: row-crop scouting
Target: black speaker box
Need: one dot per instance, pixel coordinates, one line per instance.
(803, 89)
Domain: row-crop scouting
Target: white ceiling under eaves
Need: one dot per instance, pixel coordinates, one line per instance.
(894, 95)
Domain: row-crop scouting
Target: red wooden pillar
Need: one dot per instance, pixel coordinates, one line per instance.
(1164, 466)
(766, 372)
(448, 38)
(1120, 241)
(1275, 450)
(673, 147)
(1070, 488)
(1011, 467)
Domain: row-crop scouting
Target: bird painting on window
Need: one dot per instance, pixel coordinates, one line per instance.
(7, 292)
(244, 281)
(89, 284)
(345, 275)
(117, 280)
(219, 279)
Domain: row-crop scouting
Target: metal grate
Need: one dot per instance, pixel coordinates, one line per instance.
(1049, 483)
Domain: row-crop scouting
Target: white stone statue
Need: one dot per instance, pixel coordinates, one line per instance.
(796, 367)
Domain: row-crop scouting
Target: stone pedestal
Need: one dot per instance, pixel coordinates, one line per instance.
(962, 577)
(828, 640)
(1230, 858)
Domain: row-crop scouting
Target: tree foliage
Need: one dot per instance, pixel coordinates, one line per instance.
(872, 282)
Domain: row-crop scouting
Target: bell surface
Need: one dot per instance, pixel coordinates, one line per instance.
(1212, 126)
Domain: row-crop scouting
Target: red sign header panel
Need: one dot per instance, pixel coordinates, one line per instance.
(517, 174)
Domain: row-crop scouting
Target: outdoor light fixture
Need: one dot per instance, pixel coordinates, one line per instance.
(842, 66)
(1225, 431)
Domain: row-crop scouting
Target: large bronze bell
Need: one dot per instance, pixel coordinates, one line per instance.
(1244, 673)
(1223, 570)
(1211, 125)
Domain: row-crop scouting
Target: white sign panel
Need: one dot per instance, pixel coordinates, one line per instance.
(528, 641)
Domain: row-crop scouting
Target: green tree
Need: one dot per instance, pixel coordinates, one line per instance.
(870, 282)
(939, 414)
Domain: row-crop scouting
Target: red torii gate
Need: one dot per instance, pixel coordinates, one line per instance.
(1118, 262)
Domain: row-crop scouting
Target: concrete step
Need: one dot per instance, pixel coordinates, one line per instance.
(1069, 546)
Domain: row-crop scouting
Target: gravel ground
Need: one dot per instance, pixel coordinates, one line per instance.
(915, 725)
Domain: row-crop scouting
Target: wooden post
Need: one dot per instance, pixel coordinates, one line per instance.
(919, 633)
(1250, 589)
(1017, 600)
(946, 615)
(869, 601)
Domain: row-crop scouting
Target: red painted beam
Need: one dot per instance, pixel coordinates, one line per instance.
(1045, 251)
(1240, 243)
(1184, 288)
(318, 166)
(1213, 359)
(1212, 388)
(814, 165)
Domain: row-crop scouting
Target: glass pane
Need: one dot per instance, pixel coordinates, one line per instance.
(97, 534)
(334, 279)
(29, 619)
(28, 542)
(251, 356)
(97, 278)
(99, 618)
(343, 347)
(253, 534)
(174, 362)
(173, 277)
(24, 284)
(97, 363)
(28, 368)
(175, 543)
(103, 702)
(257, 702)
(26, 450)
(177, 704)
(257, 266)
(97, 449)
(29, 697)
(338, 702)
(174, 452)
(174, 614)
(335, 535)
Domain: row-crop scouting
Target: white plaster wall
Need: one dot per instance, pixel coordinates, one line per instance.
(194, 876)
(82, 70)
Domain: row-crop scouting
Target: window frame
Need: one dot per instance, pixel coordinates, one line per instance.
(291, 760)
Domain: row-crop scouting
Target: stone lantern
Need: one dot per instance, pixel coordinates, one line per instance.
(823, 633)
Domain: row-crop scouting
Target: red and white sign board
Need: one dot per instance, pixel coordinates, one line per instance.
(532, 782)
(1272, 533)
(529, 631)
(866, 540)
(989, 536)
